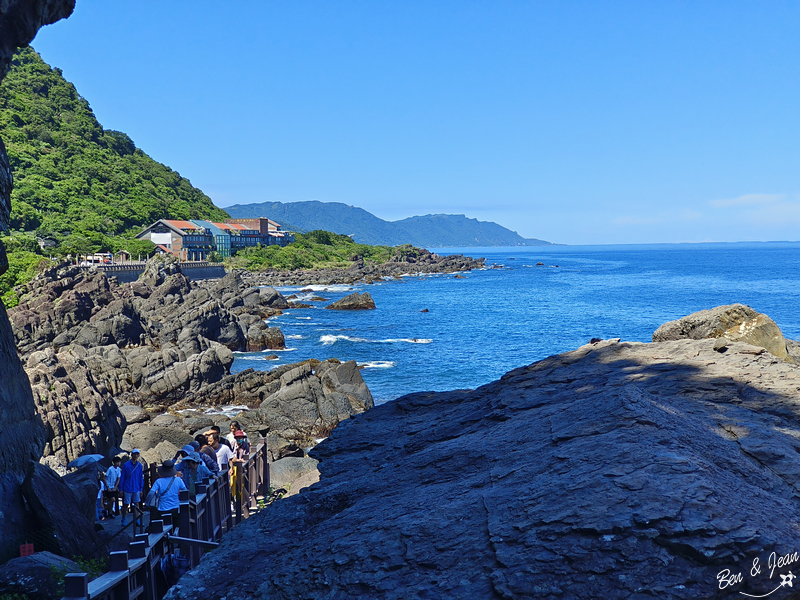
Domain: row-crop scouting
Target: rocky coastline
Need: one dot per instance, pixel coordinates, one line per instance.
(92, 347)
(617, 470)
(420, 262)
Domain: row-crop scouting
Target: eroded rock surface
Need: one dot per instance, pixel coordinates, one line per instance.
(23, 435)
(618, 470)
(734, 323)
(91, 345)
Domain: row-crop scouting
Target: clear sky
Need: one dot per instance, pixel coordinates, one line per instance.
(574, 122)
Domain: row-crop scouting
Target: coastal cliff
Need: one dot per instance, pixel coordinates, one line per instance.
(617, 470)
(23, 434)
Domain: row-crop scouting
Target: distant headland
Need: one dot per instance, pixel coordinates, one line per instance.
(428, 231)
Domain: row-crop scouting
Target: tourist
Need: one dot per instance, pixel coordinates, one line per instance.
(240, 456)
(205, 449)
(168, 486)
(113, 476)
(231, 437)
(242, 451)
(224, 453)
(194, 472)
(220, 440)
(101, 479)
(209, 462)
(131, 484)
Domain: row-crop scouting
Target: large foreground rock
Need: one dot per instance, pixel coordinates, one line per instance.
(35, 577)
(56, 513)
(23, 435)
(618, 470)
(734, 323)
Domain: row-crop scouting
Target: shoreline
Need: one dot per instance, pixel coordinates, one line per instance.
(427, 263)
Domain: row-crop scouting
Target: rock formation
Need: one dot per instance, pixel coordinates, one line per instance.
(618, 470)
(354, 301)
(91, 345)
(23, 435)
(399, 264)
(733, 323)
(297, 403)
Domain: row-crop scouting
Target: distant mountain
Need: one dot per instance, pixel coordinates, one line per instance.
(429, 231)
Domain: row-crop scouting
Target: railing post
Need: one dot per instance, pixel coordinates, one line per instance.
(118, 561)
(265, 477)
(137, 549)
(76, 586)
(237, 496)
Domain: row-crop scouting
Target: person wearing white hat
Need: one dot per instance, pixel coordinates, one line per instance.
(131, 484)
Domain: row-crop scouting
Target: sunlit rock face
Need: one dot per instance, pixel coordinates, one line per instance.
(21, 429)
(617, 470)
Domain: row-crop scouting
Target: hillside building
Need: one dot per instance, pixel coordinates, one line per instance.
(196, 239)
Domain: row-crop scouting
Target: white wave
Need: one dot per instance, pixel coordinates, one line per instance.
(328, 340)
(377, 364)
(229, 411)
(294, 337)
(303, 318)
(315, 288)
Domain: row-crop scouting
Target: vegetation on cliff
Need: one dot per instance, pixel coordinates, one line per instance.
(314, 250)
(80, 187)
(74, 182)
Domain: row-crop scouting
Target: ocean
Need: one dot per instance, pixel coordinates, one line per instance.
(497, 319)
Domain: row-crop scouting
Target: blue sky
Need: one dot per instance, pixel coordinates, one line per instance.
(574, 122)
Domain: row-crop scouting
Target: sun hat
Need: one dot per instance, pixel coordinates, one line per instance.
(167, 469)
(193, 456)
(135, 451)
(188, 449)
(239, 433)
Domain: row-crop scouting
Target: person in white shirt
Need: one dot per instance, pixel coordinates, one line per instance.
(224, 454)
(111, 495)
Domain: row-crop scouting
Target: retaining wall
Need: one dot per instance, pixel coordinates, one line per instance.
(128, 272)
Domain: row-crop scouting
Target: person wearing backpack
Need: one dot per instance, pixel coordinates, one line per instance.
(163, 497)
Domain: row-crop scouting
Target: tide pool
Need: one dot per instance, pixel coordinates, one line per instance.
(496, 319)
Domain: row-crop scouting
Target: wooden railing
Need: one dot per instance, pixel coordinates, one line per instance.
(202, 522)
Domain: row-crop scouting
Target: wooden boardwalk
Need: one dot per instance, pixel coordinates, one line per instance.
(202, 522)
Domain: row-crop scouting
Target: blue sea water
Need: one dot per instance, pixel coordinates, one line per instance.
(497, 319)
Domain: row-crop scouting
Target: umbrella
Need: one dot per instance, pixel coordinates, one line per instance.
(84, 460)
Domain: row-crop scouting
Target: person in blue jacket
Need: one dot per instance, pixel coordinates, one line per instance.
(131, 484)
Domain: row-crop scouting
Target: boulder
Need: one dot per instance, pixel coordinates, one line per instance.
(35, 577)
(734, 322)
(168, 420)
(83, 483)
(197, 423)
(262, 337)
(292, 473)
(58, 513)
(145, 437)
(134, 414)
(354, 301)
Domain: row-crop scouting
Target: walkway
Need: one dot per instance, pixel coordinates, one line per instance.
(203, 521)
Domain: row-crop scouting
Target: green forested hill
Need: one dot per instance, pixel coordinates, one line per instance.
(85, 187)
